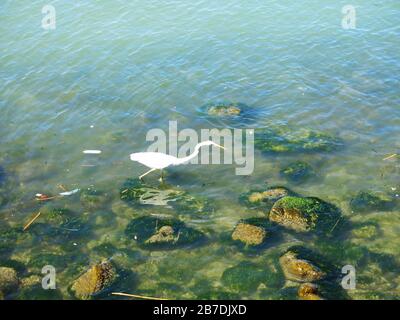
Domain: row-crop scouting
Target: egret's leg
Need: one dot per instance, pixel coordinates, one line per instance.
(162, 176)
(146, 173)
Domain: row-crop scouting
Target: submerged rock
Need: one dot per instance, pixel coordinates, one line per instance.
(244, 277)
(8, 280)
(136, 192)
(264, 198)
(298, 171)
(31, 281)
(224, 109)
(300, 270)
(93, 199)
(368, 231)
(309, 291)
(304, 214)
(162, 233)
(303, 140)
(57, 215)
(165, 234)
(2, 176)
(96, 279)
(368, 201)
(8, 238)
(3, 199)
(251, 232)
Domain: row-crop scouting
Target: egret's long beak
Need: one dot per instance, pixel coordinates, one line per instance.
(217, 145)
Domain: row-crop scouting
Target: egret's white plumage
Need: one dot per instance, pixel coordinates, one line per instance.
(159, 160)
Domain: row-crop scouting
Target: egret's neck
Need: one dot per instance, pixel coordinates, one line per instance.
(193, 155)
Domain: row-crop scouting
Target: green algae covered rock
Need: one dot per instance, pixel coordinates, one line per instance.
(161, 233)
(367, 201)
(138, 193)
(92, 199)
(244, 277)
(303, 140)
(97, 279)
(304, 214)
(259, 198)
(298, 172)
(296, 268)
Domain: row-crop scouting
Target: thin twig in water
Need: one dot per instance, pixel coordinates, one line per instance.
(335, 225)
(135, 296)
(391, 156)
(31, 221)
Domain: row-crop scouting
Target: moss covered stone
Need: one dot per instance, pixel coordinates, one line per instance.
(8, 280)
(257, 198)
(297, 269)
(280, 141)
(304, 214)
(95, 280)
(161, 233)
(298, 172)
(369, 201)
(138, 193)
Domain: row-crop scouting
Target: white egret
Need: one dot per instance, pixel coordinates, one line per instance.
(160, 161)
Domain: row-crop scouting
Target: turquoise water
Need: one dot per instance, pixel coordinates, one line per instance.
(113, 70)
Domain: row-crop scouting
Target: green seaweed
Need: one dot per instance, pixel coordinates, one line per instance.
(92, 199)
(303, 140)
(365, 202)
(244, 277)
(298, 172)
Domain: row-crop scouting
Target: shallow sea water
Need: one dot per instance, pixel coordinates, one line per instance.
(113, 70)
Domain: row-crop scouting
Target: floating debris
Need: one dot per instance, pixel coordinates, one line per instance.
(69, 193)
(92, 151)
(44, 197)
